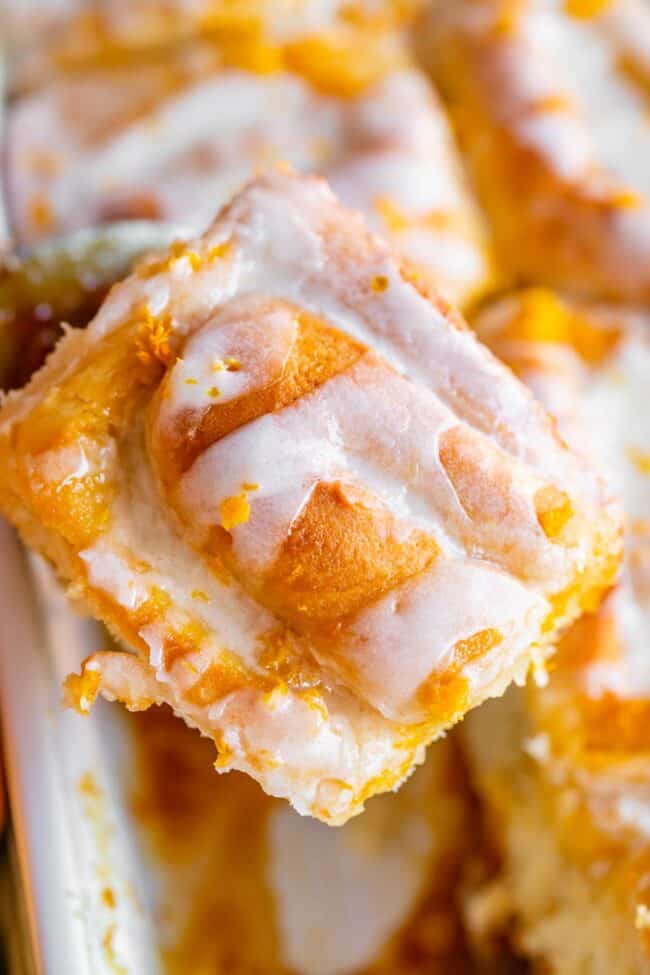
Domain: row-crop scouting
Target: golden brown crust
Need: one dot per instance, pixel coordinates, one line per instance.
(342, 553)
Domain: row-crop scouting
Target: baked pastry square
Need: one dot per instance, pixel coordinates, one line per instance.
(550, 101)
(565, 768)
(325, 517)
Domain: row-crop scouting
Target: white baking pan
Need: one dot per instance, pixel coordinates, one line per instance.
(71, 828)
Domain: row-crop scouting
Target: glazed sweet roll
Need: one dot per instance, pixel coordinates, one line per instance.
(550, 99)
(173, 139)
(328, 520)
(565, 768)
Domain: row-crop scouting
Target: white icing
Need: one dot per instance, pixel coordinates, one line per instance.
(240, 349)
(368, 423)
(111, 573)
(141, 528)
(410, 633)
